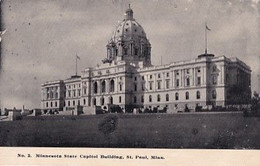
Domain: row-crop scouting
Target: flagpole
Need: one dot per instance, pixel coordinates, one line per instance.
(76, 65)
(206, 39)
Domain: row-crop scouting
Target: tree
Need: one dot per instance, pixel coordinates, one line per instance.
(255, 103)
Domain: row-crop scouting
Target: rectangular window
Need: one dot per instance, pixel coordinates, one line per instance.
(177, 82)
(167, 74)
(151, 85)
(143, 85)
(198, 81)
(159, 85)
(159, 75)
(188, 81)
(135, 87)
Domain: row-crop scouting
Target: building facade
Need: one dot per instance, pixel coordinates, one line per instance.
(128, 79)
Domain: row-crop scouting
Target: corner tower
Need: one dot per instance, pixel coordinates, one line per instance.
(129, 42)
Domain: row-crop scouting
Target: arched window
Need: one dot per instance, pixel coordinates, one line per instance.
(103, 87)
(176, 96)
(102, 101)
(158, 98)
(167, 97)
(150, 98)
(94, 101)
(56, 95)
(84, 101)
(112, 86)
(111, 100)
(214, 94)
(95, 87)
(198, 94)
(56, 104)
(187, 95)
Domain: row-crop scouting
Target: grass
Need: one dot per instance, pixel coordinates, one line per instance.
(222, 130)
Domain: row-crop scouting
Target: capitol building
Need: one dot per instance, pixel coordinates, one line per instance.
(127, 78)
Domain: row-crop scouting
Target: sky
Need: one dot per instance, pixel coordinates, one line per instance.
(44, 36)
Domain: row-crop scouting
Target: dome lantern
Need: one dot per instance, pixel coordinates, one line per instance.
(129, 14)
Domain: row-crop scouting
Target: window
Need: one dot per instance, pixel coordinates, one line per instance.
(176, 96)
(198, 80)
(73, 102)
(177, 73)
(151, 85)
(79, 92)
(150, 98)
(177, 82)
(103, 87)
(159, 75)
(151, 76)
(78, 102)
(51, 104)
(143, 85)
(47, 104)
(188, 71)
(120, 87)
(135, 87)
(158, 98)
(74, 93)
(136, 51)
(84, 101)
(120, 99)
(94, 101)
(56, 104)
(188, 81)
(214, 94)
(112, 86)
(125, 51)
(68, 103)
(198, 70)
(95, 87)
(167, 74)
(167, 84)
(159, 85)
(142, 98)
(135, 99)
(142, 77)
(56, 95)
(111, 101)
(135, 78)
(198, 94)
(167, 97)
(187, 96)
(85, 90)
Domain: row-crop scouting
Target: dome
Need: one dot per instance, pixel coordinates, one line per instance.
(128, 30)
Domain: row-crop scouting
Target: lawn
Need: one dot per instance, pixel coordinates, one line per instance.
(219, 130)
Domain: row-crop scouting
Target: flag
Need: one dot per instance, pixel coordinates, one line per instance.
(77, 57)
(208, 28)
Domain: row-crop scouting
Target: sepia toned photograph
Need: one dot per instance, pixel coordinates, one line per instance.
(168, 74)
